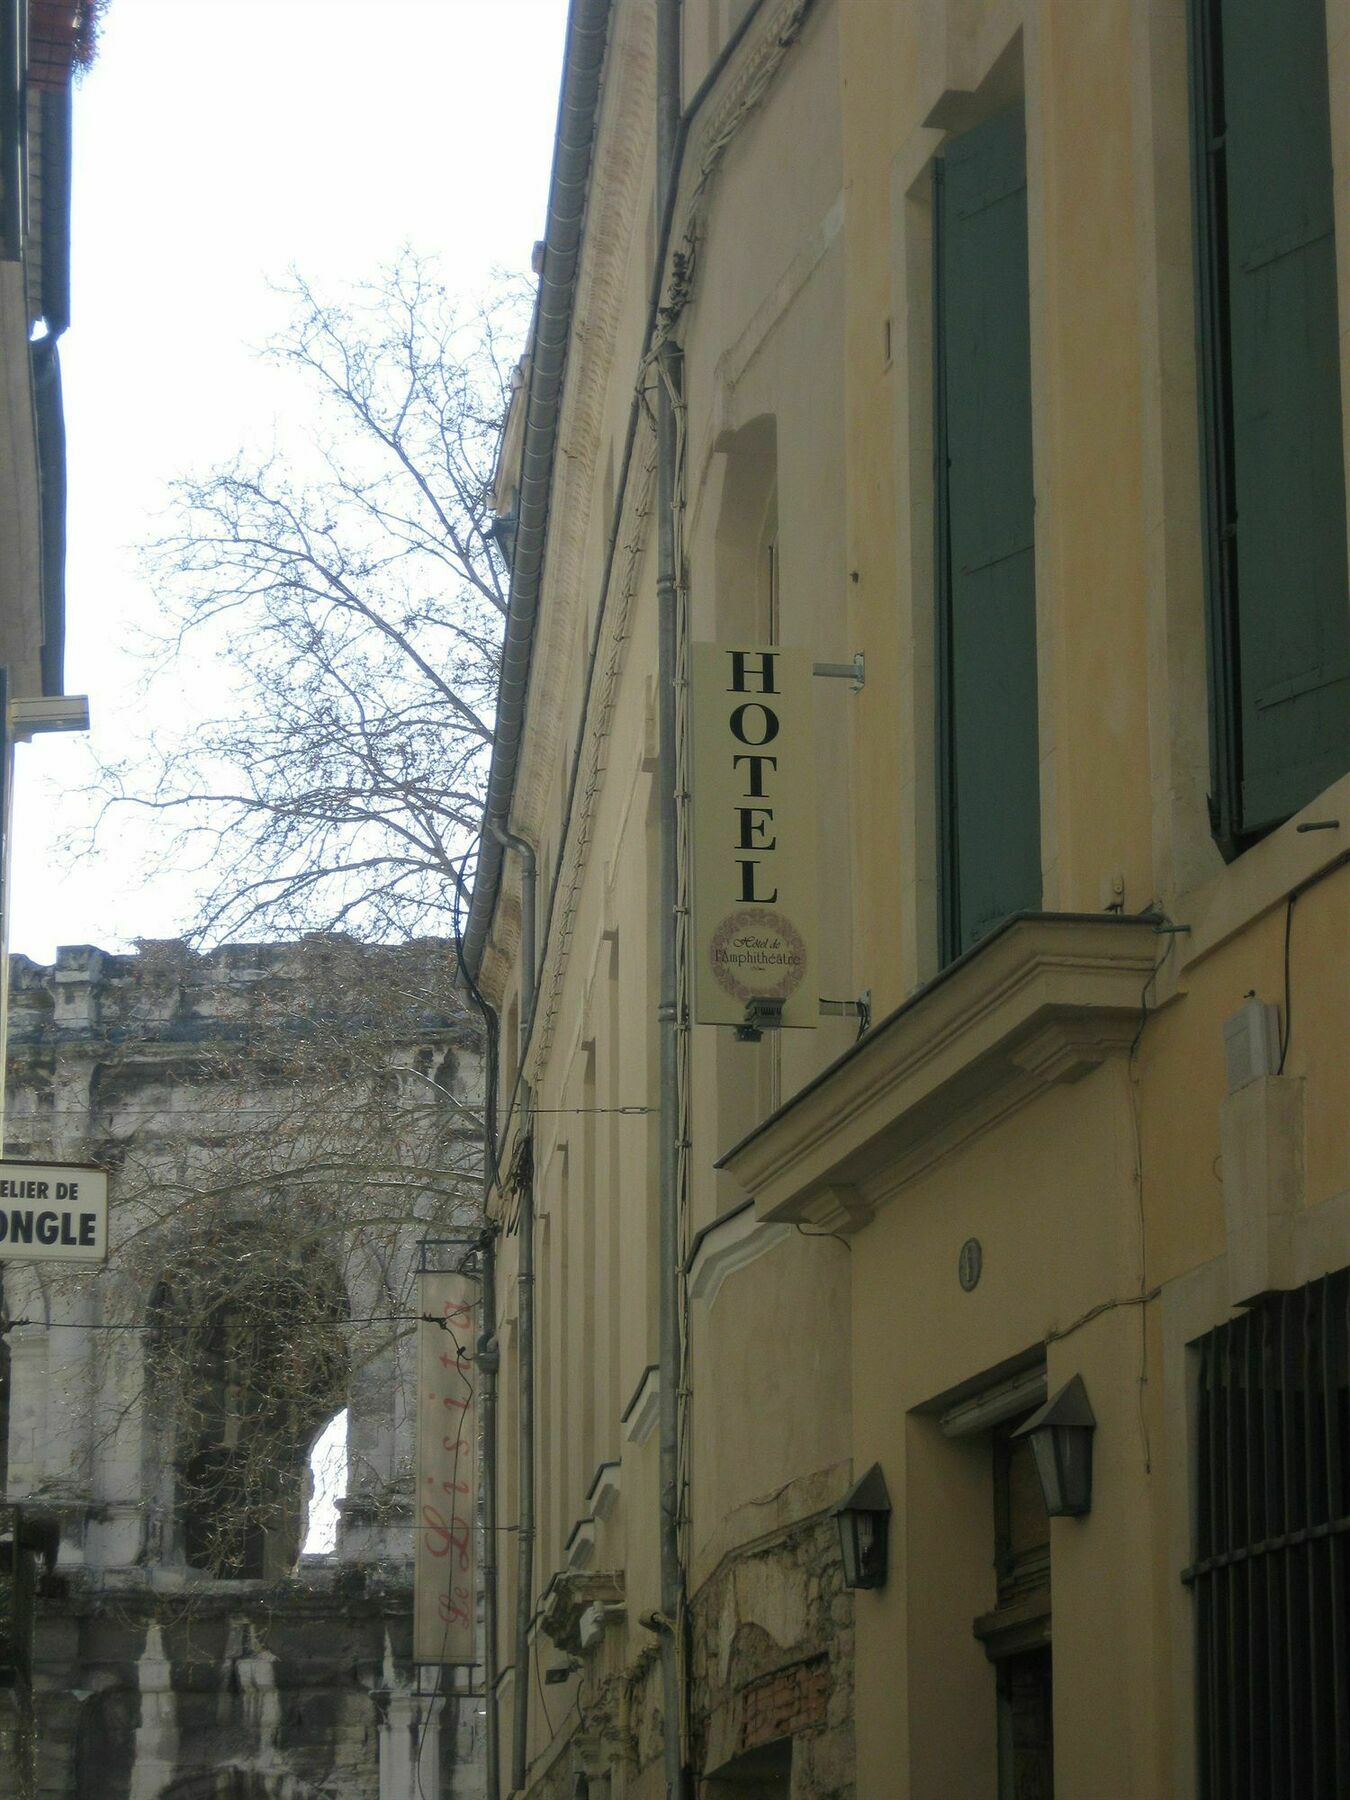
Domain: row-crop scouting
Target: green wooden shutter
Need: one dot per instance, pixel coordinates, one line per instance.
(990, 778)
(1277, 519)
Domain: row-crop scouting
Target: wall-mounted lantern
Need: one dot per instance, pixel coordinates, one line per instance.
(1060, 1435)
(863, 1517)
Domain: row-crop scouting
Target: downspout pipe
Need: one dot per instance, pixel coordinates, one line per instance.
(489, 1362)
(51, 429)
(668, 1012)
(578, 111)
(525, 1529)
(525, 1525)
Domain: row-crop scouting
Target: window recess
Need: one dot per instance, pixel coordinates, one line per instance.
(988, 751)
(1278, 598)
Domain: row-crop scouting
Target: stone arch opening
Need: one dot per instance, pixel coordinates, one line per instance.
(326, 1486)
(247, 1364)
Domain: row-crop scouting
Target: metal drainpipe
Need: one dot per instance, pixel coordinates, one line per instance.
(520, 1718)
(667, 603)
(489, 1361)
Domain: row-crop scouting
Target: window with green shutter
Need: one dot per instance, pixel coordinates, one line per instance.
(988, 758)
(1276, 572)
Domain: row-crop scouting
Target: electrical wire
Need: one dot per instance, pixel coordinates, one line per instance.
(1095, 1312)
(539, 1112)
(302, 1106)
(838, 1236)
(165, 1329)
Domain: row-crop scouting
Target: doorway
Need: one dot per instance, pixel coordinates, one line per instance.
(1026, 1753)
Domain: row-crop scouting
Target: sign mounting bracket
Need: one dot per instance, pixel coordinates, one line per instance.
(855, 671)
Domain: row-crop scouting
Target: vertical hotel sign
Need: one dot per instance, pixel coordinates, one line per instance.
(444, 1567)
(754, 833)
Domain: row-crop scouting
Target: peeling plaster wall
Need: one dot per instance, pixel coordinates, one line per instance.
(772, 1666)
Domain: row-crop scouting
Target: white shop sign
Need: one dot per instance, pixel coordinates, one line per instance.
(53, 1212)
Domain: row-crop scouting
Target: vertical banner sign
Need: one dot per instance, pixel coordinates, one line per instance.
(445, 1565)
(754, 799)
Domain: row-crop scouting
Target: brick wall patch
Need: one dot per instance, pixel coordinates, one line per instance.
(785, 1703)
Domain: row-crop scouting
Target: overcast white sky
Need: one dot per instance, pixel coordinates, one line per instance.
(216, 143)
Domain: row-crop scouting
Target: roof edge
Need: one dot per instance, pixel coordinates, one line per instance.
(569, 188)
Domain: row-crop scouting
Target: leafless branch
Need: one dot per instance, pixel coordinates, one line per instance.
(343, 601)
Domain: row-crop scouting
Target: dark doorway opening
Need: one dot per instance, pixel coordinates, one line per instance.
(1026, 1753)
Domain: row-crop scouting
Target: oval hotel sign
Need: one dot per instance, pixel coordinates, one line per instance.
(754, 773)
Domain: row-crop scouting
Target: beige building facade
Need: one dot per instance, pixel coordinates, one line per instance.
(991, 355)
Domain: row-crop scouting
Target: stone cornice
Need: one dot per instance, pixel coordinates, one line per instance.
(343, 1590)
(730, 1243)
(570, 1593)
(639, 1416)
(613, 207)
(1043, 1001)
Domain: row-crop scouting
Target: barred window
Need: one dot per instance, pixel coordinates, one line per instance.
(1271, 1575)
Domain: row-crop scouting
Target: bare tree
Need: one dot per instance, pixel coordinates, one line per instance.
(347, 596)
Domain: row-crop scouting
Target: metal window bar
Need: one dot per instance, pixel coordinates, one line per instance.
(1271, 1575)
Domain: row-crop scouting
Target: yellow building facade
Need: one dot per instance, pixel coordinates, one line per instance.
(988, 351)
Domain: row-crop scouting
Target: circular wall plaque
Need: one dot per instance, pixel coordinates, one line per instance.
(969, 1263)
(757, 954)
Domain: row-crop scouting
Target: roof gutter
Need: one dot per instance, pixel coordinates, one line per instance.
(54, 287)
(578, 113)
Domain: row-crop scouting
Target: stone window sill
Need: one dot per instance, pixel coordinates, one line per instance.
(1263, 877)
